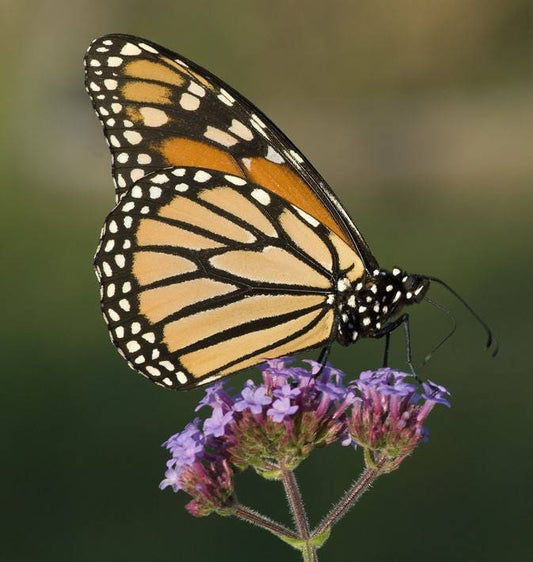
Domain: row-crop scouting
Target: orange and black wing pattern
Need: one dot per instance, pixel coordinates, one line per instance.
(225, 247)
(204, 274)
(159, 109)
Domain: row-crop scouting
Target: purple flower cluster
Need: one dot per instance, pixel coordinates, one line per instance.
(387, 417)
(275, 425)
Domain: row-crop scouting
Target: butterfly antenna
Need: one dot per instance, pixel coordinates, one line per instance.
(447, 336)
(491, 341)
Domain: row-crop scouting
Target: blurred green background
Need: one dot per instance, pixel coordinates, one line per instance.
(420, 115)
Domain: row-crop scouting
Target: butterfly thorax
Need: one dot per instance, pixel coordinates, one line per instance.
(366, 307)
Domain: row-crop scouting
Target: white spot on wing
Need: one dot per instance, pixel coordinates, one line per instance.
(133, 137)
(155, 192)
(258, 121)
(196, 89)
(130, 49)
(114, 61)
(144, 159)
(154, 372)
(189, 102)
(148, 48)
(261, 196)
(307, 218)
(133, 346)
(235, 180)
(167, 365)
(107, 269)
(113, 315)
(153, 117)
(160, 178)
(201, 176)
(220, 137)
(226, 98)
(296, 156)
(274, 156)
(136, 174)
(241, 130)
(136, 192)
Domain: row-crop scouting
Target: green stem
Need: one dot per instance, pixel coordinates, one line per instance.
(255, 518)
(294, 497)
(309, 553)
(359, 487)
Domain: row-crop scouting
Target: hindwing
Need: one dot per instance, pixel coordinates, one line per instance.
(204, 273)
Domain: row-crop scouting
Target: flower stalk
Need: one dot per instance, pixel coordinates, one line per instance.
(296, 505)
(356, 490)
(254, 518)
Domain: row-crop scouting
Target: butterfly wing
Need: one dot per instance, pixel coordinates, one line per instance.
(204, 274)
(159, 109)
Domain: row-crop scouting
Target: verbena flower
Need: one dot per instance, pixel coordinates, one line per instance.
(272, 427)
(388, 415)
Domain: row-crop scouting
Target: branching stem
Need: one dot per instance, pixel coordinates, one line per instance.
(247, 514)
(359, 487)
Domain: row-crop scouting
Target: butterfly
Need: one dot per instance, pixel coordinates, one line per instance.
(225, 247)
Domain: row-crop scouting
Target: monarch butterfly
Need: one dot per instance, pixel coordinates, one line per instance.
(226, 247)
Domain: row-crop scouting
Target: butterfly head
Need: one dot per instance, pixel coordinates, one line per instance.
(414, 286)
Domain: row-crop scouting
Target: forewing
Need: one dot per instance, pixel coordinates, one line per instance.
(158, 109)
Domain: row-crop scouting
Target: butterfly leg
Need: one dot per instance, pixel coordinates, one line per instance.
(386, 332)
(386, 350)
(324, 353)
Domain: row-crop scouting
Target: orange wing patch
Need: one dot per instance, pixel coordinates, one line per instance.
(210, 322)
(207, 360)
(147, 70)
(280, 179)
(150, 267)
(186, 152)
(145, 92)
(152, 232)
(313, 337)
(160, 302)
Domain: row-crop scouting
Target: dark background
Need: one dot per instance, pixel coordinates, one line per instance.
(420, 115)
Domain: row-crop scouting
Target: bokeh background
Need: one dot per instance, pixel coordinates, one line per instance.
(420, 115)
